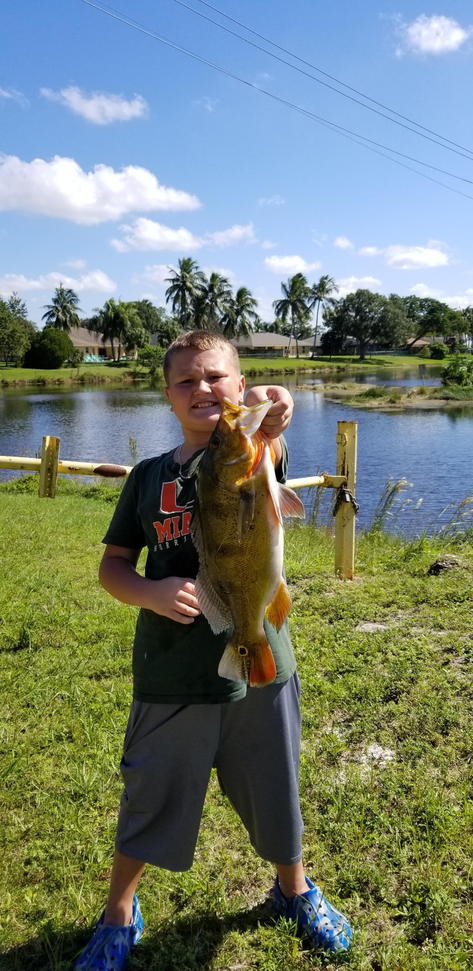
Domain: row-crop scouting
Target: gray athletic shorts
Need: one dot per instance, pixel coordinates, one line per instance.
(169, 753)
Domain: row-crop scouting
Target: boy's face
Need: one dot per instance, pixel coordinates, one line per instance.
(197, 383)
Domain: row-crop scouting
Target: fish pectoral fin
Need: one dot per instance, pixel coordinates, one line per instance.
(289, 503)
(277, 611)
(211, 604)
(233, 664)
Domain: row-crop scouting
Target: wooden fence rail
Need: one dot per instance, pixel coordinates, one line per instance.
(50, 466)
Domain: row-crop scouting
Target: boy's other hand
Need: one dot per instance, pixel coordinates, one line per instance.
(174, 597)
(280, 413)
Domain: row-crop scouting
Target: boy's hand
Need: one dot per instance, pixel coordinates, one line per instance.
(280, 413)
(174, 597)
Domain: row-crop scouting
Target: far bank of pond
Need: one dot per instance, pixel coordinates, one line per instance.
(128, 373)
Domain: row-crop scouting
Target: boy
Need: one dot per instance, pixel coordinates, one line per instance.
(184, 718)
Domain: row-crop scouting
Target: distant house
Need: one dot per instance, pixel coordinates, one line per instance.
(271, 344)
(90, 344)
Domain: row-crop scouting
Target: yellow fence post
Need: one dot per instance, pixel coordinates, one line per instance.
(345, 516)
(48, 470)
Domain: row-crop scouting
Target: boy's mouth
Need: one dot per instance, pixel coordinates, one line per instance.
(205, 404)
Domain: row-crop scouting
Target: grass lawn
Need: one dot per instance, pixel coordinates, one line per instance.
(101, 373)
(384, 778)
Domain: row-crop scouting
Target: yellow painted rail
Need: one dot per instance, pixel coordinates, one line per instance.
(50, 466)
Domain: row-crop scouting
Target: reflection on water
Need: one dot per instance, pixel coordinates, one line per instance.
(431, 449)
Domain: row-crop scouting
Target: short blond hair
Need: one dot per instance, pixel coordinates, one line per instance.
(199, 340)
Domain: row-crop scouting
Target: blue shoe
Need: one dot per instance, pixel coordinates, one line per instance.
(110, 946)
(317, 921)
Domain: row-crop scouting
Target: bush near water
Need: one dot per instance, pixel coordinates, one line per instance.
(385, 664)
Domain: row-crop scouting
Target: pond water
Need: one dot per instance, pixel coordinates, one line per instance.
(431, 449)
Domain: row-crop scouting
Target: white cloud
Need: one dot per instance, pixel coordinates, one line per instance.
(76, 264)
(61, 188)
(271, 201)
(342, 242)
(146, 234)
(222, 271)
(369, 251)
(232, 236)
(457, 301)
(154, 273)
(96, 281)
(267, 244)
(99, 107)
(433, 35)
(351, 283)
(289, 264)
(208, 104)
(10, 94)
(415, 257)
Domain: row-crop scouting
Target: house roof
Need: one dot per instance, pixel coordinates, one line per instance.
(264, 339)
(81, 337)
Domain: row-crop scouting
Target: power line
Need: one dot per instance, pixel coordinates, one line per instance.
(346, 132)
(314, 67)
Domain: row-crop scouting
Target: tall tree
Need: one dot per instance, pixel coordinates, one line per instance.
(218, 294)
(63, 311)
(321, 297)
(185, 285)
(240, 317)
(119, 323)
(366, 317)
(17, 306)
(294, 304)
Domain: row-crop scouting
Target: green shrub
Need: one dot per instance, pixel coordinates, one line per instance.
(459, 372)
(49, 349)
(438, 351)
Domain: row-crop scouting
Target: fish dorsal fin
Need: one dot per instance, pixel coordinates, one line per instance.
(290, 504)
(214, 610)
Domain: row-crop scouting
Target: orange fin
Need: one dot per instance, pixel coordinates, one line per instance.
(262, 666)
(289, 503)
(278, 609)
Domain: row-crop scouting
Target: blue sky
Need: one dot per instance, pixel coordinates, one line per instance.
(119, 155)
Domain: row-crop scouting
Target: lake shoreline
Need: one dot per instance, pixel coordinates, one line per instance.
(104, 374)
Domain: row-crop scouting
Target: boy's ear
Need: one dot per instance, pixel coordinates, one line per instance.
(166, 392)
(241, 387)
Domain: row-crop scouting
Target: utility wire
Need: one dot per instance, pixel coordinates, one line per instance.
(330, 76)
(346, 132)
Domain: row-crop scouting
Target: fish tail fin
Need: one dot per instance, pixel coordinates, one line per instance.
(278, 609)
(262, 666)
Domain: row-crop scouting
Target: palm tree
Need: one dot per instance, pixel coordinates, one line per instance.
(218, 294)
(63, 311)
(240, 316)
(320, 296)
(119, 323)
(293, 304)
(185, 285)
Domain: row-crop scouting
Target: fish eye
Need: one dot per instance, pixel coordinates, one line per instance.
(215, 441)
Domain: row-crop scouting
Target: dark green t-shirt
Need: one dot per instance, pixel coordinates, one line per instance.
(172, 662)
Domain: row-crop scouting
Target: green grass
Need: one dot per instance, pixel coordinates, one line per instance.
(101, 373)
(84, 374)
(384, 776)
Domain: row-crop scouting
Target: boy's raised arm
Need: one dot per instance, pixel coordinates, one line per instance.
(173, 597)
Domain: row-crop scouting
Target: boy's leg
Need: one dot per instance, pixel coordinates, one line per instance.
(126, 873)
(291, 878)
